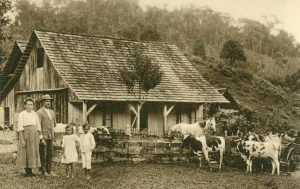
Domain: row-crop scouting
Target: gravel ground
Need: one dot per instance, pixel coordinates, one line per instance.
(143, 175)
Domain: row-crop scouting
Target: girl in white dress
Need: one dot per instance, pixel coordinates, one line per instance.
(70, 154)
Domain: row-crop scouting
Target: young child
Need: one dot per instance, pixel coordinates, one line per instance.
(70, 154)
(87, 144)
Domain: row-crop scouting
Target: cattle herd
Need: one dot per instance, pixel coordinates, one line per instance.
(197, 136)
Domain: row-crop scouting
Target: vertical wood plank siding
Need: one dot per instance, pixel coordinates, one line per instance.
(59, 103)
(9, 101)
(44, 78)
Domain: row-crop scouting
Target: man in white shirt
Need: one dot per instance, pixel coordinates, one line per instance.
(47, 119)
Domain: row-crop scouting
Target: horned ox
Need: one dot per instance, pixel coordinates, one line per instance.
(204, 145)
(254, 149)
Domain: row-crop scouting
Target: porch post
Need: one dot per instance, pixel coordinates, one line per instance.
(199, 112)
(84, 112)
(138, 117)
(165, 118)
(137, 112)
(166, 112)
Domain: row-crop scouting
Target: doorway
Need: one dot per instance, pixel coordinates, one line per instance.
(144, 118)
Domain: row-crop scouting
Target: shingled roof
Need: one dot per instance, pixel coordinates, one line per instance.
(89, 65)
(12, 62)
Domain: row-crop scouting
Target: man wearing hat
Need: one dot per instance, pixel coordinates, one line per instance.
(48, 122)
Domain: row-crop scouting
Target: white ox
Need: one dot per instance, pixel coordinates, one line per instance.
(254, 149)
(205, 145)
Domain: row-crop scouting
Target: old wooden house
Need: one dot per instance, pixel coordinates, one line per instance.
(7, 72)
(81, 73)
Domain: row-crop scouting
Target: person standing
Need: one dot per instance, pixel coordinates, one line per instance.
(47, 119)
(87, 144)
(29, 134)
(70, 154)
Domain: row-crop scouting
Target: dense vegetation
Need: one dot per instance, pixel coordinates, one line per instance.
(267, 66)
(126, 19)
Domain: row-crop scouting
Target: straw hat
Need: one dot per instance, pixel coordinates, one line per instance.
(47, 97)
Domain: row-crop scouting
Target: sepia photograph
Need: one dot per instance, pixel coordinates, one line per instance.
(149, 94)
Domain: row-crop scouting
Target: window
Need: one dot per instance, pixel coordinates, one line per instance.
(40, 57)
(6, 116)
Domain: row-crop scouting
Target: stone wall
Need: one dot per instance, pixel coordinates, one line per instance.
(137, 149)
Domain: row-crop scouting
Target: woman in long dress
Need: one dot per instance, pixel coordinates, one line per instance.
(29, 131)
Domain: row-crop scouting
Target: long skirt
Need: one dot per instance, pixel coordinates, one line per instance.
(28, 155)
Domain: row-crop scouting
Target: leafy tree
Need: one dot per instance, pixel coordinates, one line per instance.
(199, 49)
(150, 35)
(140, 77)
(233, 51)
(5, 6)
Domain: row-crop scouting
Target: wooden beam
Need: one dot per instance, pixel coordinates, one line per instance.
(133, 109)
(40, 91)
(91, 109)
(170, 109)
(133, 121)
(84, 112)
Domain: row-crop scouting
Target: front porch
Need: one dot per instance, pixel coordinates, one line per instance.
(153, 118)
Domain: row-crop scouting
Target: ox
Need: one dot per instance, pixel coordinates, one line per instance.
(197, 129)
(204, 145)
(254, 149)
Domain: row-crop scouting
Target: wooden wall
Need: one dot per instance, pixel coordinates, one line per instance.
(36, 82)
(59, 105)
(9, 101)
(120, 111)
(75, 112)
(33, 78)
(121, 115)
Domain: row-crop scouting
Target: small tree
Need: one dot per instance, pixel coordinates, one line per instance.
(140, 77)
(233, 51)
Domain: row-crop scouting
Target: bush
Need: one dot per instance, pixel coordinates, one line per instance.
(233, 51)
(243, 75)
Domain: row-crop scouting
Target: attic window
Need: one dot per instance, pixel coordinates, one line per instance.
(40, 57)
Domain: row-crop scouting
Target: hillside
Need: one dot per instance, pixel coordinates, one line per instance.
(248, 86)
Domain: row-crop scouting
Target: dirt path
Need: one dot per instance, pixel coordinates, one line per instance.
(7, 142)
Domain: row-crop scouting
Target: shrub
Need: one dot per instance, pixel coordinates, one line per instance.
(233, 51)
(199, 49)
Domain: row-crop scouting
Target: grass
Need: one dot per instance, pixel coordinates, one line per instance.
(248, 85)
(143, 175)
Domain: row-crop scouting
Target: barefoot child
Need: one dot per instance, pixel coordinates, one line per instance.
(70, 154)
(87, 144)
